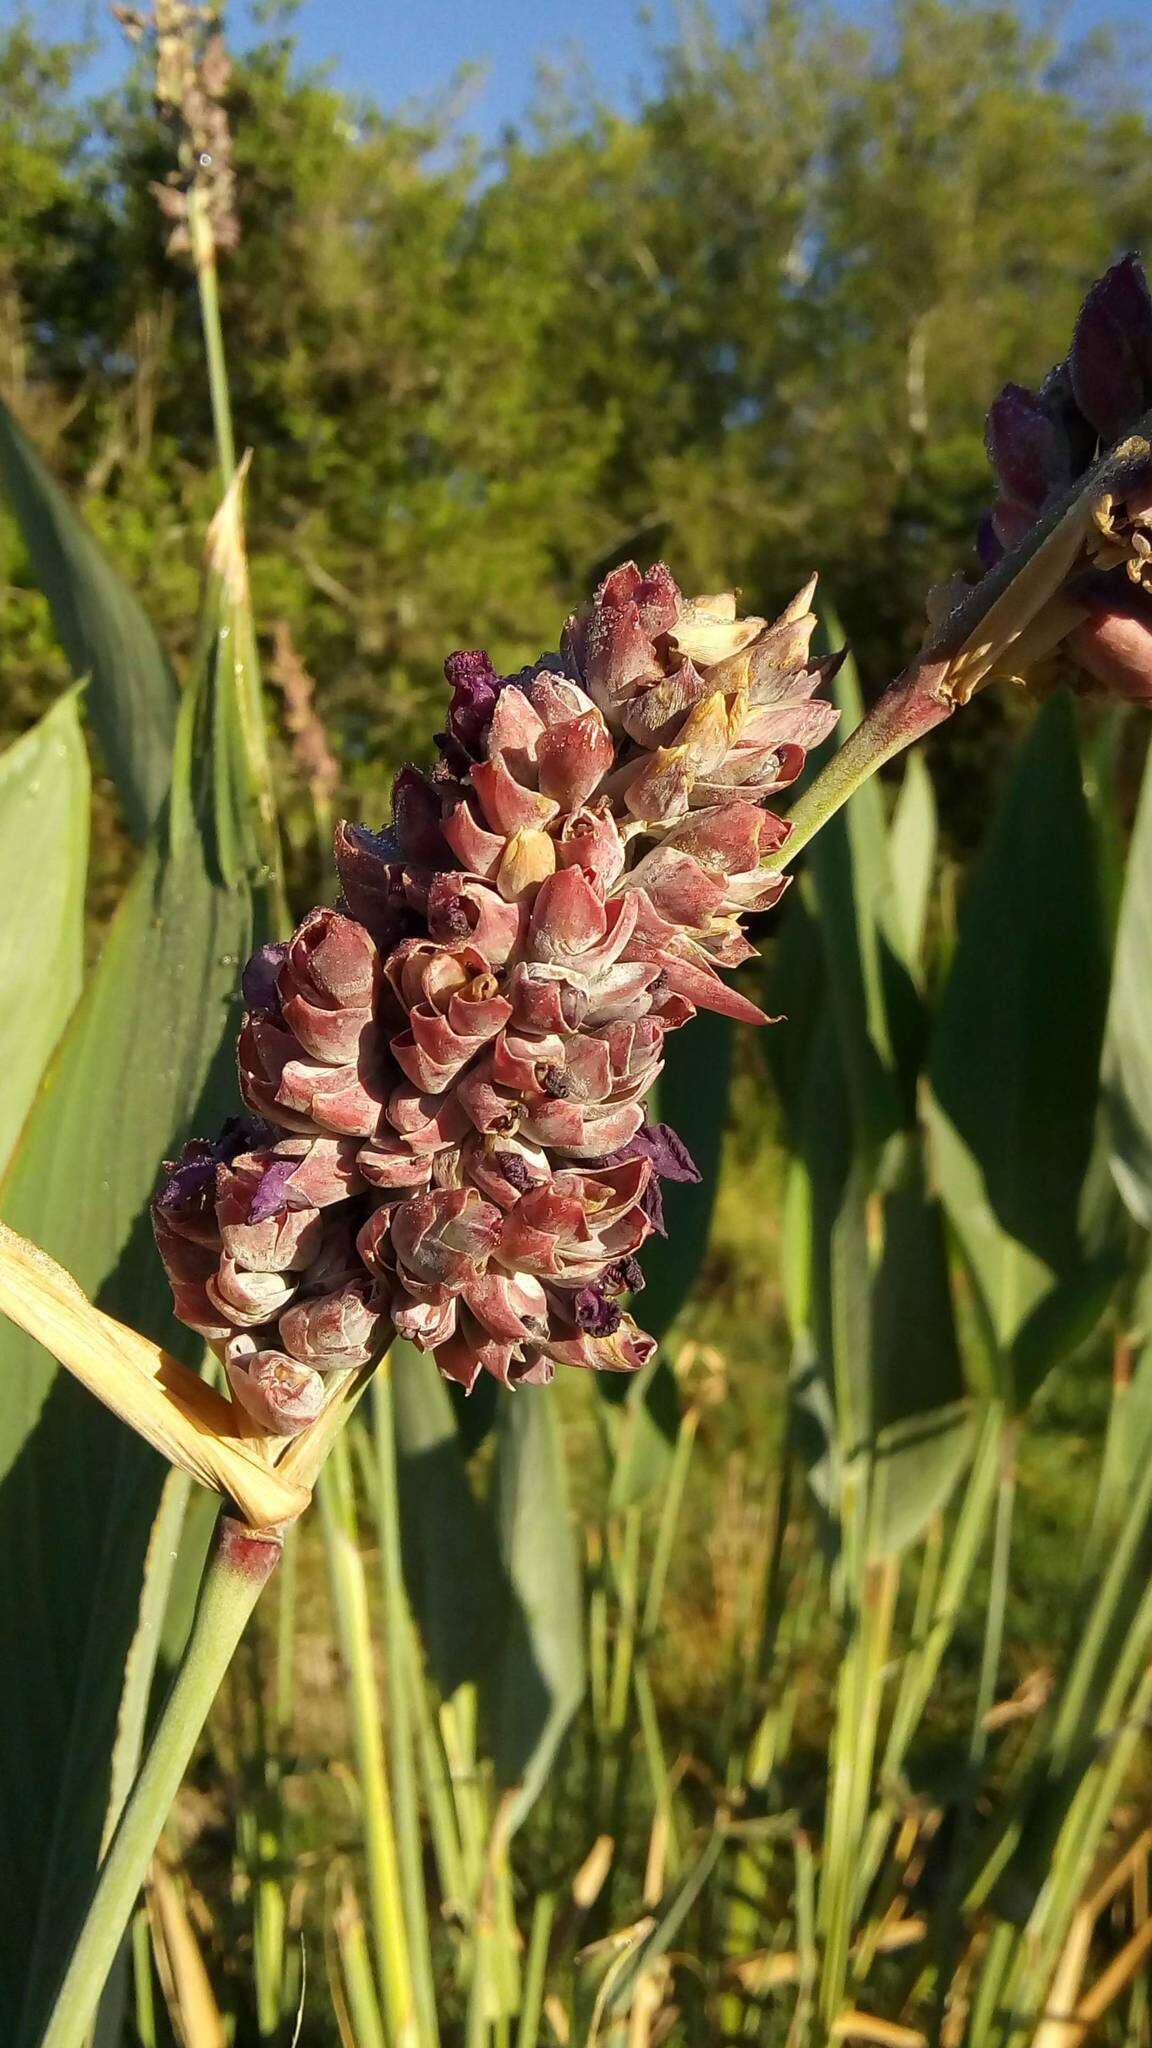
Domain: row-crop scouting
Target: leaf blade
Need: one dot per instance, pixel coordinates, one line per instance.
(103, 629)
(538, 1681)
(43, 864)
(1014, 1058)
(144, 1061)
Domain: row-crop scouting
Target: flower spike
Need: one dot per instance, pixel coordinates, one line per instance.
(446, 1074)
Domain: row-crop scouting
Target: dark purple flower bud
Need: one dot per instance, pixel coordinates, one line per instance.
(475, 687)
(989, 546)
(416, 819)
(1111, 357)
(280, 1239)
(258, 982)
(667, 1152)
(271, 1194)
(371, 872)
(595, 1313)
(1024, 446)
(623, 1276)
(187, 1200)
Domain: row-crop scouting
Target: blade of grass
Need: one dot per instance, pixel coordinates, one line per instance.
(354, 1634)
(43, 866)
(402, 1735)
(132, 695)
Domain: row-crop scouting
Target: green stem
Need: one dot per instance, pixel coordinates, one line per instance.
(858, 1703)
(528, 2032)
(241, 1567)
(397, 1632)
(908, 710)
(950, 1919)
(204, 258)
(249, 695)
(354, 1632)
(921, 697)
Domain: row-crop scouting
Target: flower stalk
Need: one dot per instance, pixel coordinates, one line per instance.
(241, 1566)
(1016, 616)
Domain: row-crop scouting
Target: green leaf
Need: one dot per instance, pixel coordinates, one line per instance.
(451, 1564)
(1128, 1045)
(692, 1096)
(912, 841)
(1016, 1048)
(668, 1919)
(920, 1420)
(538, 1682)
(43, 865)
(880, 1415)
(132, 695)
(1128, 1444)
(863, 930)
(145, 1061)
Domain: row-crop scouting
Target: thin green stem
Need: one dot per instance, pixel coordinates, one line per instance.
(859, 1697)
(204, 258)
(905, 713)
(350, 1601)
(949, 1925)
(283, 1697)
(242, 1564)
(398, 1646)
(535, 1970)
(143, 1986)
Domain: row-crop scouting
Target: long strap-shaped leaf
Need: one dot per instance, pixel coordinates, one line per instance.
(145, 1060)
(1128, 1045)
(43, 861)
(132, 694)
(1014, 1061)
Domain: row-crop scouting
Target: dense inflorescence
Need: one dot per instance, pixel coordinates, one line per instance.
(445, 1076)
(1041, 442)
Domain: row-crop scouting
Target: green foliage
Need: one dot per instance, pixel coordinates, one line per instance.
(753, 325)
(43, 862)
(1128, 1051)
(103, 630)
(538, 1679)
(146, 1060)
(878, 1383)
(1015, 1058)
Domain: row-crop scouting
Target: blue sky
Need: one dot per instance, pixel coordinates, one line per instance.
(396, 50)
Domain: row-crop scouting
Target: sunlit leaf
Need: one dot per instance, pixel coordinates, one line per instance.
(539, 1680)
(912, 840)
(145, 1061)
(1128, 1045)
(132, 695)
(43, 863)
